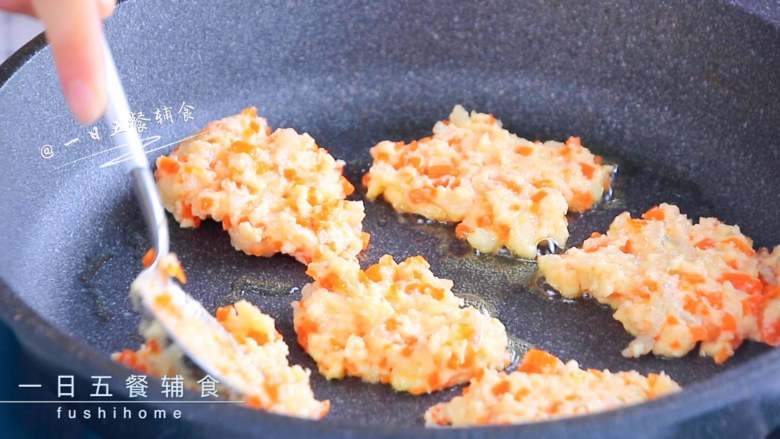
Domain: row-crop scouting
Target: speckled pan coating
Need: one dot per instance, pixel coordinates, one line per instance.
(681, 94)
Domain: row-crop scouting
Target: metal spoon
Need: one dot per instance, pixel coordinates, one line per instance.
(202, 339)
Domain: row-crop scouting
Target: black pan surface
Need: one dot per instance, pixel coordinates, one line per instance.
(680, 94)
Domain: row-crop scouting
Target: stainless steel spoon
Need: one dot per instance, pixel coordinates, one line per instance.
(202, 339)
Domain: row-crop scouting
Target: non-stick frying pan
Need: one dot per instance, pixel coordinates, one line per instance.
(682, 95)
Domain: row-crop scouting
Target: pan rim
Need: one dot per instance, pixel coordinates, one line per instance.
(710, 395)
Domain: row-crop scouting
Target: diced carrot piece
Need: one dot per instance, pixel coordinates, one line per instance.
(524, 150)
(249, 111)
(698, 333)
(501, 388)
(438, 171)
(538, 361)
(241, 146)
(332, 282)
(655, 213)
(672, 320)
(149, 257)
(741, 245)
(539, 196)
(743, 281)
(587, 170)
(729, 323)
(705, 244)
(722, 355)
(595, 235)
(167, 165)
(224, 312)
(421, 195)
(347, 187)
(366, 238)
(675, 344)
(627, 247)
(582, 200)
(484, 221)
(502, 231)
(462, 230)
(206, 203)
(365, 180)
(691, 278)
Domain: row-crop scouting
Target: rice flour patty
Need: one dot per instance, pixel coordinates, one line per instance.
(273, 191)
(673, 284)
(396, 324)
(545, 388)
(505, 191)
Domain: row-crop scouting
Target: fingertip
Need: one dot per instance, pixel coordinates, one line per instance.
(106, 8)
(86, 101)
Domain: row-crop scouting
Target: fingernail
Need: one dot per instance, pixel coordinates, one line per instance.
(82, 101)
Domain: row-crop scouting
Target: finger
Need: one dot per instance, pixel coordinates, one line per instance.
(106, 7)
(74, 30)
(18, 6)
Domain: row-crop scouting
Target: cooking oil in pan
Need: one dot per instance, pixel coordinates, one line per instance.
(517, 348)
(253, 285)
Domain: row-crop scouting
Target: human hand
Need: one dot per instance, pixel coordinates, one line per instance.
(74, 31)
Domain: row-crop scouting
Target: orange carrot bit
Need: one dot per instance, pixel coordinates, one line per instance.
(501, 388)
(539, 196)
(241, 146)
(538, 361)
(587, 170)
(149, 257)
(672, 320)
(723, 354)
(705, 244)
(691, 278)
(582, 200)
(655, 213)
(729, 323)
(206, 204)
(421, 195)
(524, 150)
(698, 333)
(167, 165)
(226, 223)
(365, 180)
(332, 282)
(484, 221)
(743, 281)
(153, 346)
(224, 312)
(366, 239)
(741, 245)
(438, 171)
(347, 187)
(627, 247)
(374, 272)
(463, 230)
(675, 344)
(502, 231)
(595, 235)
(249, 111)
